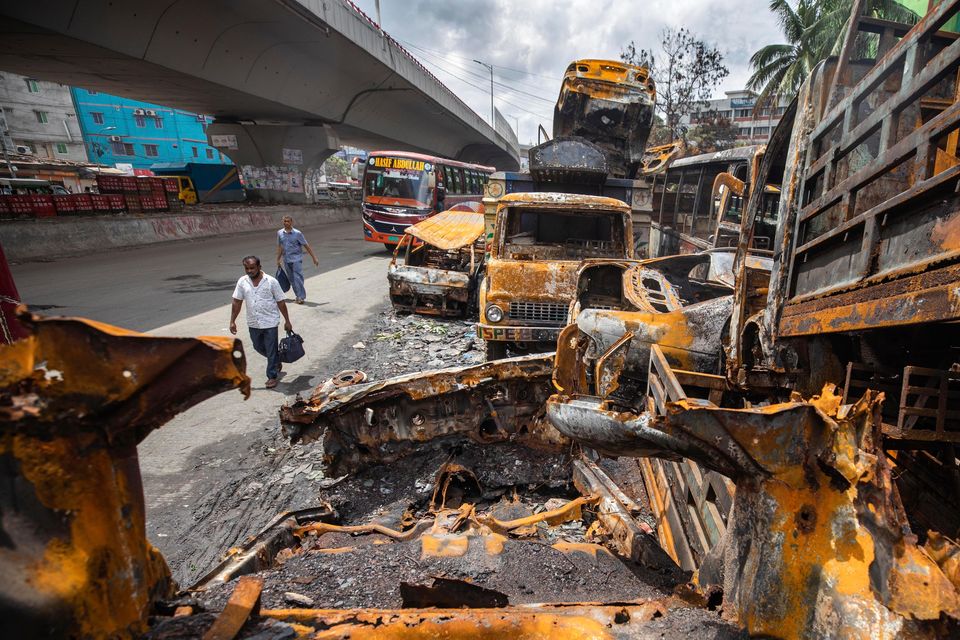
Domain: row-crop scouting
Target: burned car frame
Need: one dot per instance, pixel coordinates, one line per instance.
(437, 265)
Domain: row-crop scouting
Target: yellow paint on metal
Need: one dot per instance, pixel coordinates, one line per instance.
(449, 229)
(587, 548)
(443, 545)
(587, 621)
(76, 397)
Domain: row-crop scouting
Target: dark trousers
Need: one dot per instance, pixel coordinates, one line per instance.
(265, 343)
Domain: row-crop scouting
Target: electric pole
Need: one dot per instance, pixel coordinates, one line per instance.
(493, 122)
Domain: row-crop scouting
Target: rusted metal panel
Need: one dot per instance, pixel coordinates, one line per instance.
(523, 622)
(382, 421)
(76, 397)
(449, 229)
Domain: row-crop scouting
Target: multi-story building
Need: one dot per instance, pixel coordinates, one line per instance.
(753, 125)
(37, 118)
(129, 132)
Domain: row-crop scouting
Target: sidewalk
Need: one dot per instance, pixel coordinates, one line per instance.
(41, 239)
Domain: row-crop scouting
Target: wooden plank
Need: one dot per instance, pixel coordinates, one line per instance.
(244, 600)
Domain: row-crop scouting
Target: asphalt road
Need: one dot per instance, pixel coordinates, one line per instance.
(156, 285)
(184, 289)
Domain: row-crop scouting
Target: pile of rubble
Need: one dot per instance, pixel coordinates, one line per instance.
(410, 343)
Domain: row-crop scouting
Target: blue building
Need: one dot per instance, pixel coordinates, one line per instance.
(119, 130)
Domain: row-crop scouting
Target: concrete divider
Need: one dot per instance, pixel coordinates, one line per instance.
(44, 238)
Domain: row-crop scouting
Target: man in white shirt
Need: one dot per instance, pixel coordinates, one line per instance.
(265, 303)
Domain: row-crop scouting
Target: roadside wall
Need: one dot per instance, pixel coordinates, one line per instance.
(44, 238)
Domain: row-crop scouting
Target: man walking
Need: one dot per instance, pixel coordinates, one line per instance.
(265, 303)
(290, 246)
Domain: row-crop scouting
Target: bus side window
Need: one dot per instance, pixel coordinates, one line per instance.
(740, 172)
(687, 199)
(458, 181)
(703, 220)
(448, 179)
(668, 200)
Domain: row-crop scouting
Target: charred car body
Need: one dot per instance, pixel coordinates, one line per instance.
(681, 303)
(437, 265)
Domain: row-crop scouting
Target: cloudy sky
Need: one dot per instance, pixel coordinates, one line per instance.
(531, 42)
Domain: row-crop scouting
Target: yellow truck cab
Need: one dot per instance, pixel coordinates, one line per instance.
(187, 192)
(539, 240)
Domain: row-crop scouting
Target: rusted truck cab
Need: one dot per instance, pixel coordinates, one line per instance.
(539, 241)
(436, 267)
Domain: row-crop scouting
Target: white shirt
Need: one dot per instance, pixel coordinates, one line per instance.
(260, 300)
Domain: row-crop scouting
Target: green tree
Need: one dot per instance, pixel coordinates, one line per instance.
(814, 30)
(712, 132)
(686, 71)
(337, 169)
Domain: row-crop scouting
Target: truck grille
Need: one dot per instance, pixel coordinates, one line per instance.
(541, 313)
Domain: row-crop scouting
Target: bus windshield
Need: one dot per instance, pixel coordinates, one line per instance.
(405, 185)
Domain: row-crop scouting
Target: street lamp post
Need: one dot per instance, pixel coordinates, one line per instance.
(490, 67)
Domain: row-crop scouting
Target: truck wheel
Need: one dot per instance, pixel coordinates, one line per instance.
(496, 350)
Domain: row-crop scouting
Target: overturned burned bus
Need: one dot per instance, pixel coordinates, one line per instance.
(437, 265)
(538, 243)
(611, 105)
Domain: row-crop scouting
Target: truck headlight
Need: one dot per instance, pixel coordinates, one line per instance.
(494, 313)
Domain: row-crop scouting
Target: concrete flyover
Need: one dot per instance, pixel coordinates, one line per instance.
(298, 75)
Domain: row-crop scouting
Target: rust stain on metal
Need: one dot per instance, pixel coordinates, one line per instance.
(382, 421)
(243, 602)
(581, 620)
(449, 229)
(75, 399)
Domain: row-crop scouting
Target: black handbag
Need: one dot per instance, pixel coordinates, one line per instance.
(283, 280)
(291, 348)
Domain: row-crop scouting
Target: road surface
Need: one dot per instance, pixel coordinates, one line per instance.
(157, 285)
(183, 289)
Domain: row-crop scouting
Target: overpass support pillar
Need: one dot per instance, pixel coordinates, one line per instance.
(275, 159)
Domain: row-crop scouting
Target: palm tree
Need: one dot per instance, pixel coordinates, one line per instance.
(814, 30)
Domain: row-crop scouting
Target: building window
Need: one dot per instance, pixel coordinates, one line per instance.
(196, 153)
(209, 154)
(41, 117)
(761, 131)
(32, 86)
(744, 131)
(139, 120)
(61, 147)
(151, 150)
(744, 113)
(97, 117)
(121, 148)
(158, 122)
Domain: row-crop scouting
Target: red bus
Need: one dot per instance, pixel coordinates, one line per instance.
(401, 188)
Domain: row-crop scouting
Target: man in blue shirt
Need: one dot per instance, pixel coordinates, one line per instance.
(290, 246)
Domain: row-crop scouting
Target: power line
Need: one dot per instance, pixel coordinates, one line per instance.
(455, 55)
(485, 90)
(468, 70)
(431, 59)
